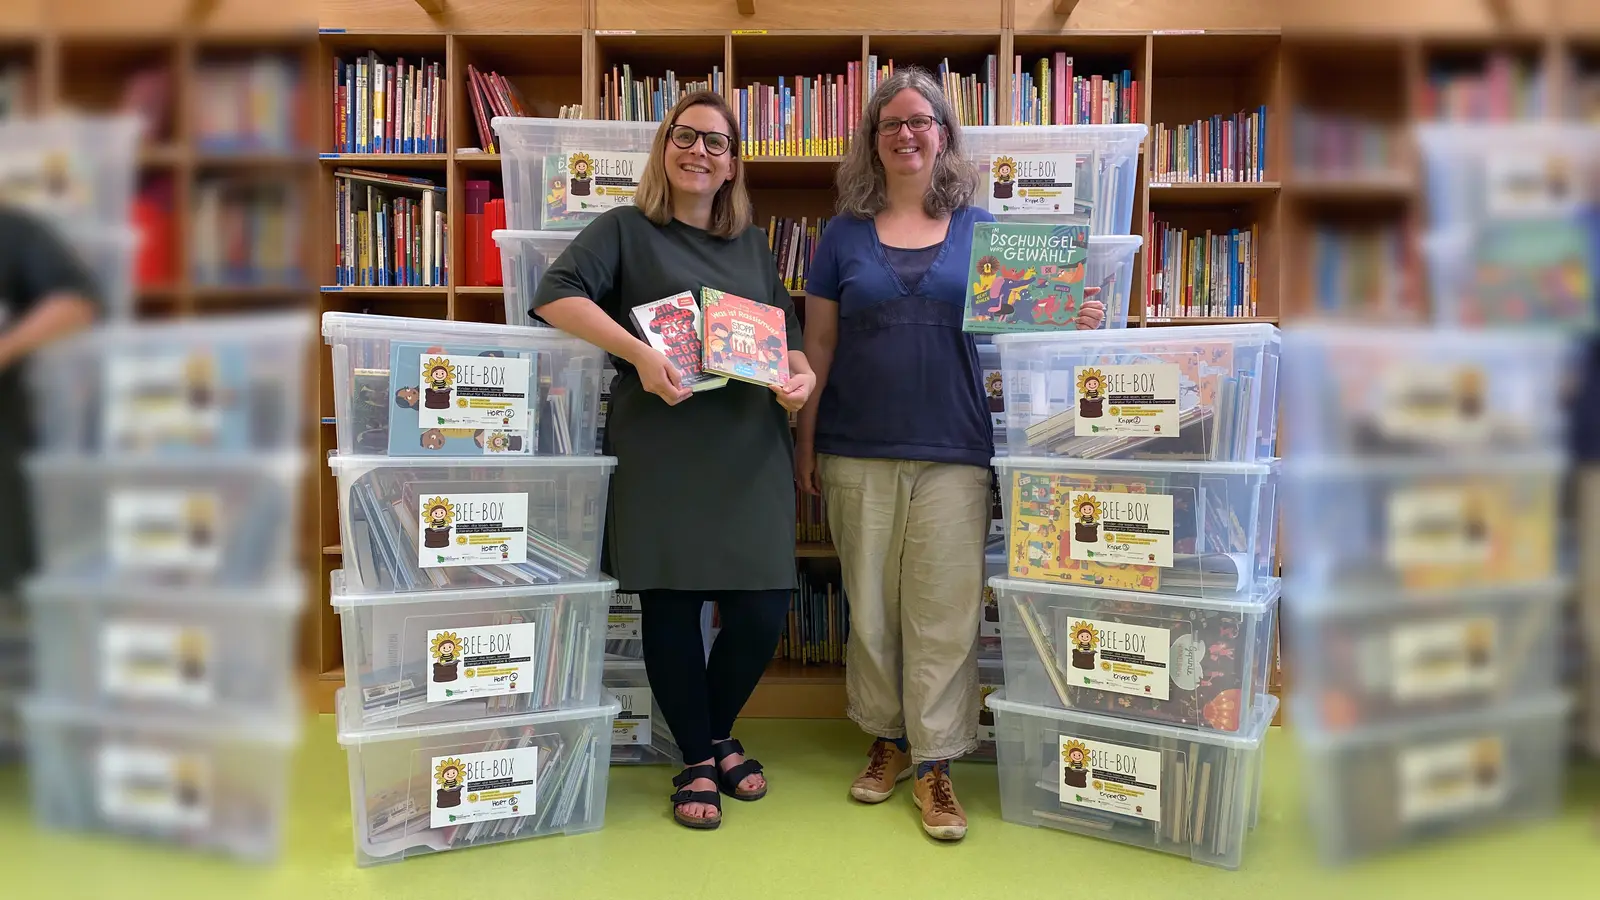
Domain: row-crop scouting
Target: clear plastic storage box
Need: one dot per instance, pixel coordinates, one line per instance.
(207, 783)
(1193, 663)
(1478, 172)
(991, 678)
(1514, 276)
(462, 522)
(450, 656)
(112, 645)
(432, 788)
(214, 385)
(468, 390)
(1420, 524)
(1104, 162)
(1110, 268)
(1376, 659)
(524, 257)
(1189, 793)
(71, 168)
(196, 520)
(1376, 790)
(625, 627)
(109, 254)
(1205, 392)
(639, 735)
(562, 173)
(1353, 391)
(994, 566)
(1186, 529)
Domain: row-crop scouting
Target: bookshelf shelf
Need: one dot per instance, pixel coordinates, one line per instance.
(383, 160)
(1176, 193)
(814, 550)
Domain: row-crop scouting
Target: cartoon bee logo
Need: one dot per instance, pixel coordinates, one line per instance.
(1075, 763)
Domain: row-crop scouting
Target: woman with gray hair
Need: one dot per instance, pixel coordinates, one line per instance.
(897, 438)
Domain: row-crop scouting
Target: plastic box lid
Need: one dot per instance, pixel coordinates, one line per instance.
(1248, 738)
(1262, 596)
(1513, 716)
(356, 737)
(1324, 601)
(1491, 463)
(286, 594)
(336, 462)
(232, 329)
(1243, 333)
(338, 326)
(1150, 466)
(512, 128)
(277, 727)
(341, 597)
(276, 463)
(504, 236)
(1046, 137)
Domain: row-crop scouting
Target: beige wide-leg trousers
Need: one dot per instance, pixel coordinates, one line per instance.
(910, 537)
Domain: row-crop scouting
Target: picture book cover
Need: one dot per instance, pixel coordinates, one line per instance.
(745, 339)
(1065, 529)
(554, 215)
(461, 401)
(673, 326)
(1536, 273)
(196, 399)
(1025, 277)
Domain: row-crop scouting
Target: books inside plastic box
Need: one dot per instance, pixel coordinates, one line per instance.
(433, 788)
(1184, 393)
(1377, 790)
(217, 385)
(524, 258)
(560, 174)
(193, 520)
(70, 168)
(419, 658)
(1190, 793)
(1479, 173)
(1372, 659)
(1353, 391)
(203, 783)
(1193, 663)
(639, 735)
(1516, 273)
(1191, 529)
(453, 523)
(427, 387)
(1421, 525)
(1072, 174)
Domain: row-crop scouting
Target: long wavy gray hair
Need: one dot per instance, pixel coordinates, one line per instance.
(860, 178)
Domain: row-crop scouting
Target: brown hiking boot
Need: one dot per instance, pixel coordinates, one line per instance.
(942, 815)
(887, 765)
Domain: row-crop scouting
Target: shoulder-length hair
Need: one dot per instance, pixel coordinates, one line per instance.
(860, 178)
(730, 209)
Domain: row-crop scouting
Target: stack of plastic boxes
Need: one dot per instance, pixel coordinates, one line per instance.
(1101, 164)
(167, 512)
(559, 175)
(1423, 507)
(1137, 622)
(473, 611)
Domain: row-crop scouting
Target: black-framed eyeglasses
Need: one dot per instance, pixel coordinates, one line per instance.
(717, 143)
(891, 127)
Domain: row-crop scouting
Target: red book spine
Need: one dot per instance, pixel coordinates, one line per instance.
(477, 196)
(494, 217)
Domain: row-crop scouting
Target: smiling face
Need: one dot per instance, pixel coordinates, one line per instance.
(1091, 386)
(907, 153)
(692, 170)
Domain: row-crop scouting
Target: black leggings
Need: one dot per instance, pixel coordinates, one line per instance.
(701, 697)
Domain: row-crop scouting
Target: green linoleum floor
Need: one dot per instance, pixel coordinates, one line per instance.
(808, 840)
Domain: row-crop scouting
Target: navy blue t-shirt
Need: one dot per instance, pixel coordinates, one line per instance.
(905, 381)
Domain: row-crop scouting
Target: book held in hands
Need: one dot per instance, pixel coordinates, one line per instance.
(745, 340)
(1025, 277)
(672, 325)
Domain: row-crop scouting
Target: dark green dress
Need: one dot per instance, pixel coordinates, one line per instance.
(703, 497)
(35, 263)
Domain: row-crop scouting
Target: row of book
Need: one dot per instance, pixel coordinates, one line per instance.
(489, 94)
(792, 242)
(17, 86)
(1357, 271)
(249, 106)
(819, 622)
(247, 232)
(1221, 149)
(1051, 93)
(1506, 88)
(648, 99)
(1202, 274)
(975, 97)
(1330, 143)
(381, 107)
(800, 116)
(392, 231)
(811, 519)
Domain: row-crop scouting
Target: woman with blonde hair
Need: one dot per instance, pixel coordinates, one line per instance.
(702, 500)
(899, 441)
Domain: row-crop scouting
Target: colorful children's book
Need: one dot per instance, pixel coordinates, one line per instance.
(673, 326)
(554, 213)
(745, 339)
(1025, 277)
(1061, 531)
(461, 401)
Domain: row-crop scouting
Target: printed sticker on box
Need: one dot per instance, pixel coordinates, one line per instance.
(1434, 526)
(1446, 404)
(1122, 528)
(1111, 778)
(472, 530)
(626, 614)
(153, 787)
(475, 392)
(1450, 780)
(151, 400)
(1115, 656)
(632, 725)
(985, 714)
(1443, 659)
(1533, 184)
(156, 661)
(1033, 184)
(483, 787)
(1133, 401)
(599, 180)
(165, 529)
(488, 661)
